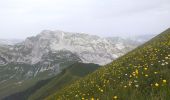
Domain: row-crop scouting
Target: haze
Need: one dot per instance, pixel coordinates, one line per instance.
(23, 18)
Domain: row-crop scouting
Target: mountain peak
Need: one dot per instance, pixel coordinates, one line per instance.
(89, 48)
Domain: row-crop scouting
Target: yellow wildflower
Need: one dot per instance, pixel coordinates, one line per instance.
(130, 76)
(125, 86)
(134, 74)
(115, 97)
(164, 81)
(145, 68)
(146, 75)
(137, 86)
(136, 71)
(166, 57)
(92, 98)
(156, 84)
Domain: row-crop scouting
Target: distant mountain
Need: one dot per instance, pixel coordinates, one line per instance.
(142, 38)
(10, 41)
(90, 49)
(142, 74)
(47, 54)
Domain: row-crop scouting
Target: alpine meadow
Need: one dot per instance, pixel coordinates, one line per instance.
(84, 50)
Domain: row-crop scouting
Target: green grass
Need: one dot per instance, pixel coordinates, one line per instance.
(10, 85)
(46, 87)
(13, 73)
(142, 74)
(68, 76)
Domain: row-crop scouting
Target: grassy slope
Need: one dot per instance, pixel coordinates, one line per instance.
(142, 74)
(10, 85)
(45, 87)
(16, 77)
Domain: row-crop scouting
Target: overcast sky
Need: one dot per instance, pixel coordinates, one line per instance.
(23, 18)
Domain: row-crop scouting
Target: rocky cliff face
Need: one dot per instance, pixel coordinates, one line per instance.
(55, 47)
(90, 49)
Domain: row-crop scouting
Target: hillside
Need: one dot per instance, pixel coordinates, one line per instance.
(45, 87)
(18, 72)
(16, 77)
(45, 55)
(142, 74)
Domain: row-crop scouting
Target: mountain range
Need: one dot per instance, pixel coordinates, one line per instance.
(10, 41)
(47, 54)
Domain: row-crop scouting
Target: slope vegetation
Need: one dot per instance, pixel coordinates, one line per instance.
(45, 87)
(142, 74)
